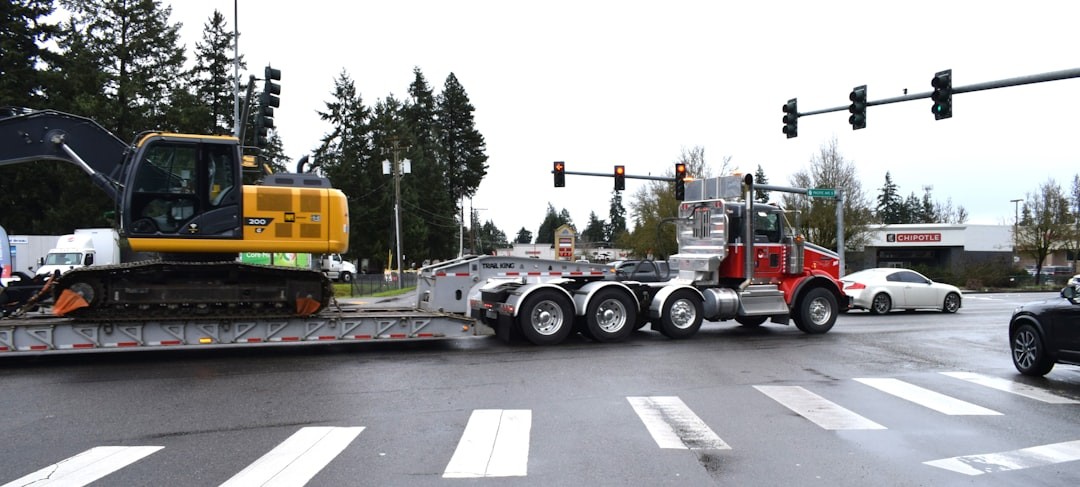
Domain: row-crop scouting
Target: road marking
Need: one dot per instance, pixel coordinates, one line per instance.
(821, 411)
(1036, 456)
(86, 467)
(927, 398)
(673, 425)
(297, 459)
(1017, 388)
(495, 444)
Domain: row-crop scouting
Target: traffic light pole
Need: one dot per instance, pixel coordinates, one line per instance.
(838, 197)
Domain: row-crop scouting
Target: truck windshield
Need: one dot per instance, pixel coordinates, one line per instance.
(66, 258)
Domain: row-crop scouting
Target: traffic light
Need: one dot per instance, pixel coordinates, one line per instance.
(680, 181)
(942, 95)
(560, 174)
(791, 118)
(620, 178)
(268, 100)
(857, 108)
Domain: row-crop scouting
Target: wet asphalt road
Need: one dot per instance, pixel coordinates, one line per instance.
(479, 411)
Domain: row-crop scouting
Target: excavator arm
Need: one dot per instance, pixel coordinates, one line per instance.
(34, 135)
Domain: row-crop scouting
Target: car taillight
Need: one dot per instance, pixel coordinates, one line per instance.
(855, 285)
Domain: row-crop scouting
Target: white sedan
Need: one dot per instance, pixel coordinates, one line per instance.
(883, 290)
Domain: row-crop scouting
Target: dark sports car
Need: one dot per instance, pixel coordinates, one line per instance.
(1045, 333)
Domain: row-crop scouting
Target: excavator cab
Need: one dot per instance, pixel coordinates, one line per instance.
(181, 185)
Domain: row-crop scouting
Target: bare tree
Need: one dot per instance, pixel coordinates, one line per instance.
(654, 202)
(829, 169)
(1045, 224)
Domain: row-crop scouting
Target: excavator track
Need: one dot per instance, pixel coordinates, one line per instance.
(159, 290)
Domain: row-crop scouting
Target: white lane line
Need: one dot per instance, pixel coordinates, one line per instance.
(673, 425)
(86, 467)
(495, 444)
(297, 459)
(1017, 388)
(821, 411)
(927, 398)
(1036, 456)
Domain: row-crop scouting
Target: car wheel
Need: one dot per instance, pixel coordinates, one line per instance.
(881, 304)
(1028, 352)
(952, 303)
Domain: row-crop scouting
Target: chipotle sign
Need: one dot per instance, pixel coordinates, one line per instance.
(912, 237)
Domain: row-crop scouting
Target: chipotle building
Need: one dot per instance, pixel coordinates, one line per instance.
(942, 245)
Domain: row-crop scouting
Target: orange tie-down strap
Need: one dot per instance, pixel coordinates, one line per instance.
(67, 302)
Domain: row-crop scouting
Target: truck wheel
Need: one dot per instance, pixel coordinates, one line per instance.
(751, 321)
(546, 317)
(817, 311)
(682, 315)
(346, 277)
(610, 316)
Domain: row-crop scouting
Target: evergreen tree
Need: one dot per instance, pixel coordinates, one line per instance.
(344, 155)
(213, 76)
(140, 55)
(890, 206)
(594, 230)
(437, 207)
(461, 146)
(523, 236)
(552, 221)
(761, 195)
(23, 31)
(616, 226)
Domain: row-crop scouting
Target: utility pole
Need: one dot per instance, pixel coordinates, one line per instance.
(1016, 222)
(237, 121)
(396, 170)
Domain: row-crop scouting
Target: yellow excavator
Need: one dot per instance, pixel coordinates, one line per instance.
(181, 197)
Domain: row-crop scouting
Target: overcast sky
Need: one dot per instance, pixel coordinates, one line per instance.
(599, 83)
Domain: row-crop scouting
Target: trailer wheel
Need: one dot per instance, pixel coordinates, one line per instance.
(682, 315)
(546, 317)
(817, 311)
(610, 316)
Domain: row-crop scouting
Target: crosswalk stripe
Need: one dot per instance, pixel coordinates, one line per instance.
(673, 425)
(821, 411)
(297, 459)
(1017, 388)
(85, 467)
(927, 398)
(1036, 456)
(495, 443)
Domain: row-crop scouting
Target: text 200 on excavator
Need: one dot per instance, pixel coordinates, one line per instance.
(181, 196)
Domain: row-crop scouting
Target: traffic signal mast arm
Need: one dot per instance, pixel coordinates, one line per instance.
(608, 175)
(988, 85)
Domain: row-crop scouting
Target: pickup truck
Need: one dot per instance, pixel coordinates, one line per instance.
(642, 270)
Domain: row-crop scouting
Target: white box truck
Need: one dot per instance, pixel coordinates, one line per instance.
(85, 247)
